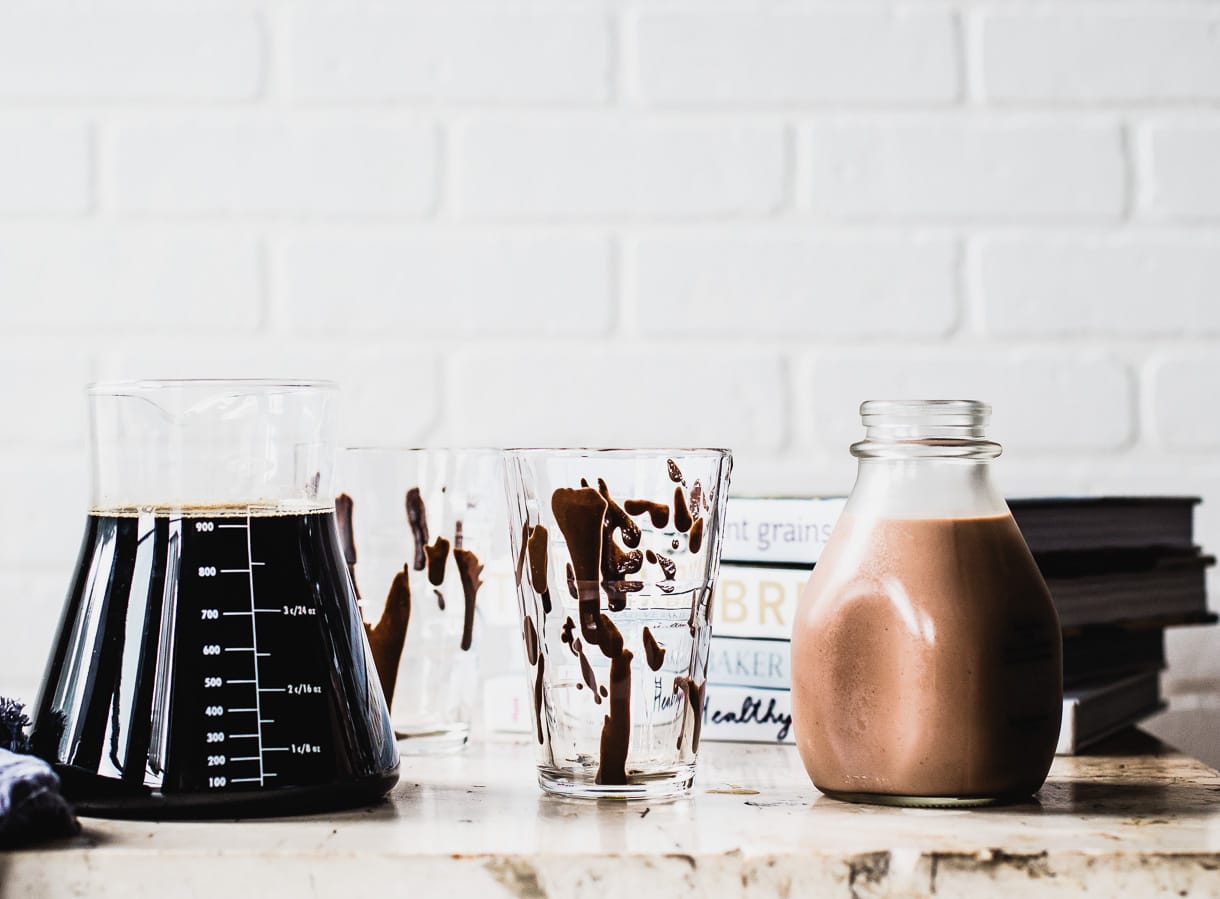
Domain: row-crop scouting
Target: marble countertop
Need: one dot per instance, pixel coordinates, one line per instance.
(1135, 817)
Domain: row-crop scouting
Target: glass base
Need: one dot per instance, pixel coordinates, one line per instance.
(655, 787)
(922, 801)
(432, 740)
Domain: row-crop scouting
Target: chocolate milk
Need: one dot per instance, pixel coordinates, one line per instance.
(927, 662)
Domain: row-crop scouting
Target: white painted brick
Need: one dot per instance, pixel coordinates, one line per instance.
(598, 395)
(84, 54)
(1127, 285)
(1064, 402)
(30, 605)
(963, 169)
(795, 285)
(44, 397)
(44, 168)
(1183, 169)
(46, 499)
(1185, 389)
(436, 284)
(260, 168)
(480, 56)
(1086, 56)
(612, 167)
(388, 388)
(831, 57)
(79, 280)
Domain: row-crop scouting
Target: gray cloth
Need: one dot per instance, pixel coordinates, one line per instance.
(31, 806)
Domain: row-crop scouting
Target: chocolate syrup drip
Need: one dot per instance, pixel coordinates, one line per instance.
(538, 695)
(682, 516)
(668, 566)
(567, 635)
(440, 599)
(580, 514)
(616, 730)
(694, 540)
(653, 651)
(673, 544)
(572, 582)
(537, 545)
(525, 539)
(694, 701)
(586, 671)
(386, 638)
(615, 562)
(675, 473)
(457, 531)
(469, 570)
(658, 512)
(696, 496)
(617, 518)
(347, 536)
(650, 557)
(602, 690)
(531, 641)
(437, 555)
(417, 517)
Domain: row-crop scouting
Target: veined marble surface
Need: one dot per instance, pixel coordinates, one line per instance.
(1138, 820)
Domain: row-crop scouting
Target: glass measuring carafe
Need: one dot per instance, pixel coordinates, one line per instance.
(210, 658)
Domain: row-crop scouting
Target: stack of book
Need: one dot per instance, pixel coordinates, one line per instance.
(1121, 570)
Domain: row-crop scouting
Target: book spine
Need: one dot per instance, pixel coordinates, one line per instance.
(751, 601)
(792, 531)
(746, 662)
(747, 715)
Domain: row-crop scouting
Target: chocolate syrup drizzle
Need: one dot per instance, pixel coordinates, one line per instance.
(682, 516)
(694, 703)
(437, 555)
(657, 512)
(387, 637)
(417, 517)
(537, 548)
(694, 539)
(653, 651)
(469, 570)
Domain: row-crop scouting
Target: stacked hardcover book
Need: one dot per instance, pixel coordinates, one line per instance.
(1121, 570)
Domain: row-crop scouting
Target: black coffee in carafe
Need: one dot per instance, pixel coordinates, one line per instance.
(211, 659)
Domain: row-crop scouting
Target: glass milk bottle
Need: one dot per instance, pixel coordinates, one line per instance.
(926, 652)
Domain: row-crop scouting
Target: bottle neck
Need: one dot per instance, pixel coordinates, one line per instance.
(925, 459)
(934, 487)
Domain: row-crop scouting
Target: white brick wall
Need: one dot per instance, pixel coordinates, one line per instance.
(616, 221)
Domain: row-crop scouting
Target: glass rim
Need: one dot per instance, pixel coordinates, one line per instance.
(125, 386)
(624, 452)
(924, 407)
(370, 449)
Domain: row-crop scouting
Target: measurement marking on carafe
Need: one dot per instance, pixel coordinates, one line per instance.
(242, 736)
(254, 641)
(231, 681)
(230, 525)
(273, 689)
(243, 710)
(239, 649)
(236, 613)
(235, 571)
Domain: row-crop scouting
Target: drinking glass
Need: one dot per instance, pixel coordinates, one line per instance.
(418, 527)
(616, 555)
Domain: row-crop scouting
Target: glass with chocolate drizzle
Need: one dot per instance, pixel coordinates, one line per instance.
(616, 553)
(419, 528)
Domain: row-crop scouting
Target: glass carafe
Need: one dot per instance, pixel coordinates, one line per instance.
(926, 652)
(210, 658)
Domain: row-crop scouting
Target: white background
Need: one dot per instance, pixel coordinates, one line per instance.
(710, 222)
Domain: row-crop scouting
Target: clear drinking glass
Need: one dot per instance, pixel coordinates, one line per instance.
(616, 555)
(418, 528)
